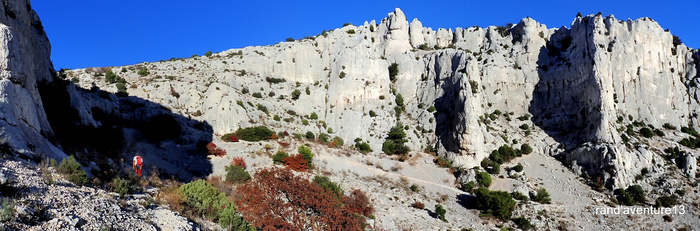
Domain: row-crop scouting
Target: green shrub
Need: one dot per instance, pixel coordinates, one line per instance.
(306, 153)
(208, 54)
(254, 133)
(351, 31)
(121, 89)
(308, 92)
(497, 203)
(519, 196)
(110, 77)
(440, 212)
(523, 223)
(659, 132)
(483, 178)
(414, 188)
(7, 209)
(393, 71)
(394, 143)
(363, 147)
(143, 71)
(542, 196)
(689, 130)
(295, 94)
(324, 137)
(310, 135)
(525, 149)
(524, 127)
(468, 187)
(518, 168)
(276, 118)
(305, 122)
(236, 174)
(313, 116)
(666, 201)
(372, 113)
(257, 95)
(262, 108)
(124, 186)
(646, 132)
(342, 75)
(669, 126)
(338, 141)
(71, 170)
(431, 109)
(399, 100)
(329, 186)
(474, 86)
(637, 193)
(205, 200)
(278, 158)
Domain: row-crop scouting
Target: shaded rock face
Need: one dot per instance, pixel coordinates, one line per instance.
(24, 60)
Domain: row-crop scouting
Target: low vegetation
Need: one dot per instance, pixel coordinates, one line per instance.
(497, 203)
(72, 171)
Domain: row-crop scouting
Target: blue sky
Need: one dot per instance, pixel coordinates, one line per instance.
(110, 33)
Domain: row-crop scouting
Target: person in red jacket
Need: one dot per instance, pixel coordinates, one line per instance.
(138, 165)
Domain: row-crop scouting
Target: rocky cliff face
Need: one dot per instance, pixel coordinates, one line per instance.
(580, 86)
(24, 60)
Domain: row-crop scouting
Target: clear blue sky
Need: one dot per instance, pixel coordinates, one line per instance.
(110, 33)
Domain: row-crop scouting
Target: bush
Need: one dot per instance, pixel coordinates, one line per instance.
(483, 178)
(236, 174)
(669, 126)
(637, 193)
(646, 132)
(497, 203)
(257, 95)
(123, 186)
(306, 153)
(313, 116)
(394, 143)
(342, 75)
(525, 149)
(305, 122)
(524, 126)
(372, 113)
(213, 150)
(351, 31)
(229, 137)
(338, 141)
(431, 109)
(310, 135)
(72, 171)
(542, 196)
(690, 131)
(295, 94)
(276, 118)
(262, 108)
(204, 199)
(239, 161)
(324, 138)
(666, 201)
(442, 162)
(254, 133)
(329, 186)
(468, 187)
(519, 196)
(143, 71)
(110, 77)
(278, 158)
(418, 205)
(277, 198)
(518, 168)
(7, 209)
(440, 212)
(399, 100)
(522, 223)
(393, 71)
(363, 147)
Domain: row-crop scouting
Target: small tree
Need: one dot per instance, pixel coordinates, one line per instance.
(440, 212)
(236, 174)
(143, 71)
(483, 178)
(542, 196)
(393, 71)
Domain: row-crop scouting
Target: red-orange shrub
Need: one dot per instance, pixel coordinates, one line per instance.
(213, 150)
(277, 198)
(284, 144)
(233, 138)
(238, 161)
(358, 203)
(296, 162)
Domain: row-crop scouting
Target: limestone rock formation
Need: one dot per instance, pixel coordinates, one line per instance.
(580, 86)
(24, 60)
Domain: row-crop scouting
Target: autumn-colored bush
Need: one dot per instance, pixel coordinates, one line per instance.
(296, 162)
(229, 137)
(284, 144)
(418, 205)
(277, 198)
(239, 161)
(213, 150)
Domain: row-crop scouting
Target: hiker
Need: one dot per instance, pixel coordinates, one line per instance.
(138, 165)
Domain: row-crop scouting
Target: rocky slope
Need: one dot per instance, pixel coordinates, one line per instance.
(574, 82)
